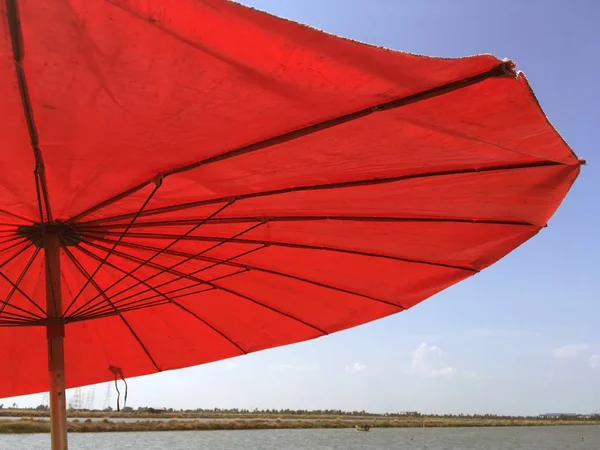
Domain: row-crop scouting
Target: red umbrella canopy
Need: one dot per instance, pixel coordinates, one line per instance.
(223, 181)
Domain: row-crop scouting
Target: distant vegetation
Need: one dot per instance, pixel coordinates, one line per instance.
(33, 421)
(218, 413)
(30, 425)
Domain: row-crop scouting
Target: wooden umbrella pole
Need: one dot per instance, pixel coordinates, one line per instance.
(55, 335)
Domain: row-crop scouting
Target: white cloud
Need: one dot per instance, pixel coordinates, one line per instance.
(231, 364)
(356, 367)
(428, 361)
(569, 351)
(595, 361)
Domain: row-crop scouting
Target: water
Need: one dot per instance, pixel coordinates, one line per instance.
(532, 438)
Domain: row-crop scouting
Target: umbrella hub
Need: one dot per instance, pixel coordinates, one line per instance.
(68, 234)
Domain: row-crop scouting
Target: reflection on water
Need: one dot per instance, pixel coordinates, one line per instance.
(532, 438)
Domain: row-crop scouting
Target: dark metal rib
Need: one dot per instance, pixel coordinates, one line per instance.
(17, 216)
(13, 315)
(131, 299)
(312, 218)
(100, 236)
(22, 323)
(20, 279)
(174, 241)
(87, 276)
(338, 185)
(170, 299)
(133, 258)
(499, 71)
(20, 240)
(161, 269)
(232, 263)
(16, 38)
(17, 288)
(176, 264)
(24, 311)
(115, 245)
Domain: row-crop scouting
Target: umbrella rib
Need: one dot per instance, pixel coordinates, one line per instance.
(26, 319)
(129, 308)
(24, 294)
(116, 267)
(16, 216)
(18, 308)
(271, 308)
(229, 262)
(16, 38)
(13, 257)
(111, 313)
(150, 300)
(498, 71)
(177, 238)
(157, 266)
(158, 183)
(20, 279)
(132, 258)
(130, 300)
(7, 232)
(16, 244)
(22, 323)
(169, 299)
(17, 237)
(146, 302)
(502, 69)
(86, 275)
(38, 193)
(6, 303)
(253, 301)
(291, 245)
(13, 314)
(180, 275)
(311, 218)
(337, 185)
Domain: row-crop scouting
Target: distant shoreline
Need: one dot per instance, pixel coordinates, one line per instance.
(27, 425)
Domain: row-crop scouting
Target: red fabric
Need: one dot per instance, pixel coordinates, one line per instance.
(329, 229)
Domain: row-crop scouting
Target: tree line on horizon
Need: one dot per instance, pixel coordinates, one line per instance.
(318, 412)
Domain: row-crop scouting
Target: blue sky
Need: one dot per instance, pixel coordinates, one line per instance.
(523, 337)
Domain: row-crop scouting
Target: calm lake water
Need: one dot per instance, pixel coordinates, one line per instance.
(534, 438)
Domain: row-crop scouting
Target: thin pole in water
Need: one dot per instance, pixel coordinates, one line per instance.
(55, 332)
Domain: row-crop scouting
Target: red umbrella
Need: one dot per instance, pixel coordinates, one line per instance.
(186, 182)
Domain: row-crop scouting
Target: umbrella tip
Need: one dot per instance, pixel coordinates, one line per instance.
(582, 162)
(509, 67)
